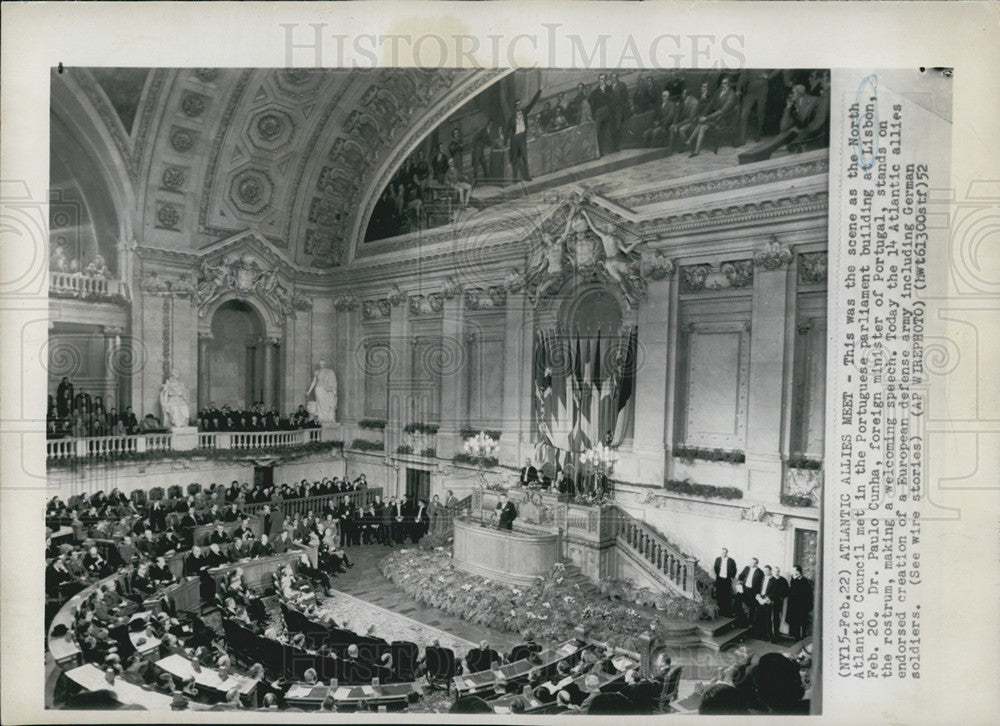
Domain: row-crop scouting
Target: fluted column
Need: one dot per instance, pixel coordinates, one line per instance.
(204, 369)
(767, 370)
(453, 404)
(112, 368)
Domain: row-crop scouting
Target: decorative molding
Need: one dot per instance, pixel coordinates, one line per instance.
(731, 275)
(803, 483)
(657, 266)
(812, 268)
(245, 275)
(477, 298)
(168, 216)
(397, 297)
(758, 513)
(347, 302)
(193, 104)
(740, 180)
(452, 288)
(376, 309)
(424, 305)
(772, 256)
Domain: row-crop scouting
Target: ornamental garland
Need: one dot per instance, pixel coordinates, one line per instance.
(690, 453)
(803, 462)
(709, 491)
(372, 423)
(367, 445)
(421, 428)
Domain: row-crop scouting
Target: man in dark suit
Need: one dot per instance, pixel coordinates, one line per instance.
(385, 531)
(750, 581)
(601, 101)
(506, 513)
(481, 658)
(780, 594)
(800, 604)
(399, 513)
(765, 605)
(420, 522)
(219, 535)
(529, 474)
(725, 571)
(517, 132)
(620, 110)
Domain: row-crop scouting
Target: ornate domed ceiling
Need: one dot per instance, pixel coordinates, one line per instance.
(296, 155)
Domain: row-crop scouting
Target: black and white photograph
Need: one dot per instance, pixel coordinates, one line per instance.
(450, 362)
(435, 390)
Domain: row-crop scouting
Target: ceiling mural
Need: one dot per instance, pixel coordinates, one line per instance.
(290, 154)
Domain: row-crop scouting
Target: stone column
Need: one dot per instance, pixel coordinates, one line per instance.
(113, 383)
(515, 440)
(400, 342)
(767, 370)
(453, 378)
(204, 369)
(654, 336)
(269, 363)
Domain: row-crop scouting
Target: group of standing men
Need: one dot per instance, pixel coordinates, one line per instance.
(759, 596)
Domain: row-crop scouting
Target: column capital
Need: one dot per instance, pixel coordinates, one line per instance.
(205, 336)
(772, 256)
(111, 331)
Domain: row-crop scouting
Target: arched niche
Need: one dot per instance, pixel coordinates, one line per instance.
(587, 306)
(238, 358)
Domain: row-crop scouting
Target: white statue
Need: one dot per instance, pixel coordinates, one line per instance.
(324, 387)
(174, 402)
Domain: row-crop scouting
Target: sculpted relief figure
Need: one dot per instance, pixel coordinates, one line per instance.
(174, 401)
(324, 387)
(617, 264)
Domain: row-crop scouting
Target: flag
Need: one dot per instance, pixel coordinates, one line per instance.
(625, 408)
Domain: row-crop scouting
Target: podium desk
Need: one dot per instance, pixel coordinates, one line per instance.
(516, 558)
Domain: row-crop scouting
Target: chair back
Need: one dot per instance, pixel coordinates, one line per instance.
(405, 655)
(441, 662)
(671, 684)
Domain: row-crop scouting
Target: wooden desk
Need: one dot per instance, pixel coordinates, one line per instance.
(304, 695)
(513, 557)
(91, 678)
(485, 681)
(203, 532)
(502, 704)
(208, 678)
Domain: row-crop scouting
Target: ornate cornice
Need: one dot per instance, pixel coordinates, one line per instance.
(741, 180)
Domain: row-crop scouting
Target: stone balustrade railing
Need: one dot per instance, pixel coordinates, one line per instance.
(78, 284)
(107, 446)
(124, 446)
(256, 439)
(663, 559)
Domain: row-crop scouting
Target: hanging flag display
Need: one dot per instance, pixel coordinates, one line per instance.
(584, 389)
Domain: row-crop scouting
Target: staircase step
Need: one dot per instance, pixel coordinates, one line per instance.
(717, 626)
(726, 640)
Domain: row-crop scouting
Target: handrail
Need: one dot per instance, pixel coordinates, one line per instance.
(301, 505)
(666, 561)
(116, 446)
(80, 284)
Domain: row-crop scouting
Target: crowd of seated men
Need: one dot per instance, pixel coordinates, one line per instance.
(146, 526)
(775, 683)
(254, 418)
(78, 414)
